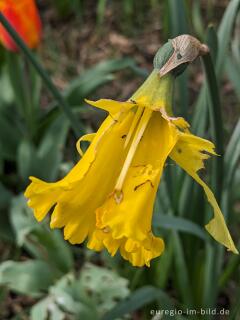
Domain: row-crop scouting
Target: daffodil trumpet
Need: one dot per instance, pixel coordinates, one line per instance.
(107, 199)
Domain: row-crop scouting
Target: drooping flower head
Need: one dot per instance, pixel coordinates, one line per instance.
(108, 197)
(24, 18)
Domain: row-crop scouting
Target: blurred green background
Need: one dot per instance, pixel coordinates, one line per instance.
(104, 49)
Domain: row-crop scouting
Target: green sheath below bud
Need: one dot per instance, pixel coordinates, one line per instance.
(163, 55)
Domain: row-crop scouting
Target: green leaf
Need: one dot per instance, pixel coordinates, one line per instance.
(15, 72)
(6, 232)
(182, 278)
(232, 155)
(50, 150)
(54, 248)
(138, 299)
(26, 159)
(197, 18)
(224, 37)
(46, 309)
(183, 96)
(105, 285)
(230, 269)
(5, 227)
(216, 123)
(93, 293)
(212, 42)
(41, 242)
(5, 196)
(63, 303)
(22, 219)
(233, 72)
(30, 277)
(69, 294)
(225, 32)
(162, 267)
(178, 18)
(9, 138)
(179, 224)
(97, 76)
(36, 87)
(235, 310)
(7, 94)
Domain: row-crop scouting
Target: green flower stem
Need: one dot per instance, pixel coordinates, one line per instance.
(216, 122)
(43, 74)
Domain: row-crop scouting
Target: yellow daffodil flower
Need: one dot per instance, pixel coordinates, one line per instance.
(108, 197)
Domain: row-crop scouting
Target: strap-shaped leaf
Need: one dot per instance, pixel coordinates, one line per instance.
(179, 224)
(138, 299)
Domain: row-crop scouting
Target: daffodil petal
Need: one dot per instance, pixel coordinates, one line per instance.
(42, 195)
(84, 189)
(141, 256)
(111, 106)
(179, 122)
(188, 153)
